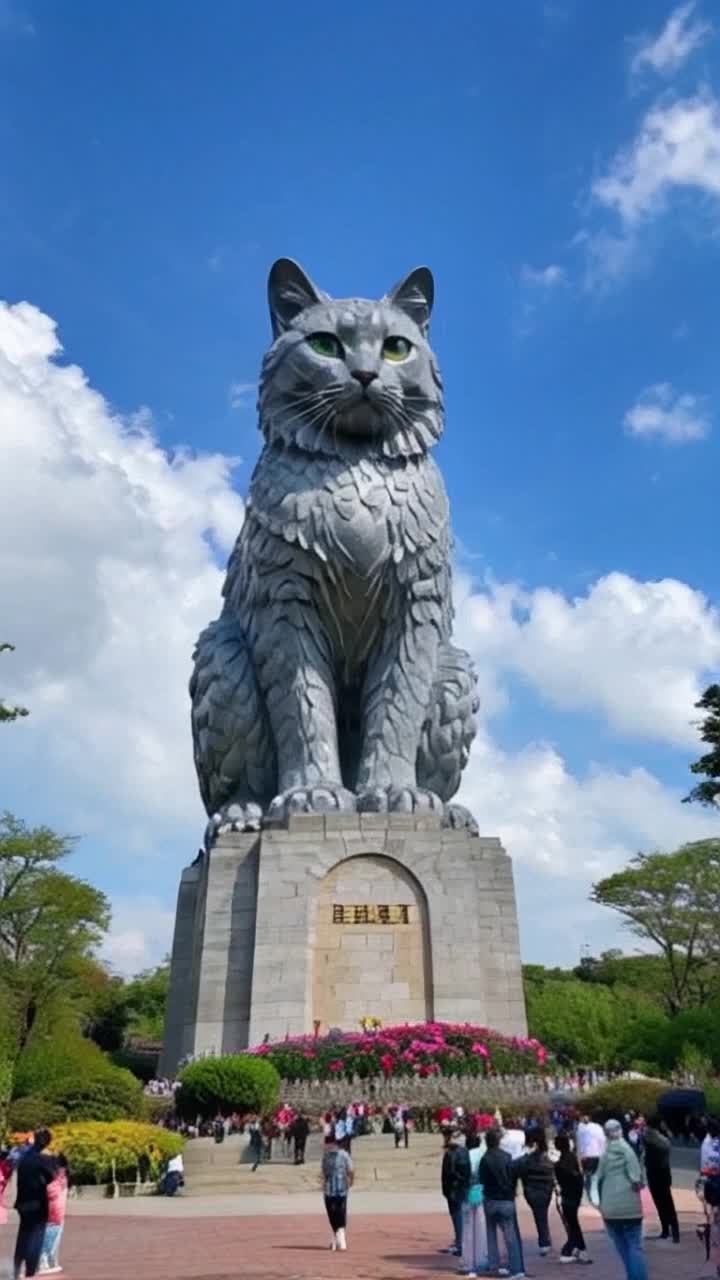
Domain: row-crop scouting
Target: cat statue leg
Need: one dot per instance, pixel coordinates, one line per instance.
(399, 679)
(296, 674)
(448, 732)
(233, 747)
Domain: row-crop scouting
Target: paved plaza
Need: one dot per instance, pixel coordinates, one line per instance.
(187, 1240)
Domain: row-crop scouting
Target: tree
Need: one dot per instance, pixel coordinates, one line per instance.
(708, 792)
(10, 713)
(146, 997)
(582, 1023)
(48, 922)
(672, 900)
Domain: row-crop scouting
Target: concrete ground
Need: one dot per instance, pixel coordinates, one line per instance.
(177, 1242)
(279, 1232)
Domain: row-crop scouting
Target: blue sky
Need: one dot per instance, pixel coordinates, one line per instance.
(558, 167)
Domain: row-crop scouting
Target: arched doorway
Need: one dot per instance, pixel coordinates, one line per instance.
(371, 946)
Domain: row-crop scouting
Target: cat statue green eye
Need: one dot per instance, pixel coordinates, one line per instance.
(330, 682)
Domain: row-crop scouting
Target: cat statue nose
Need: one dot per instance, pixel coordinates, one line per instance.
(364, 376)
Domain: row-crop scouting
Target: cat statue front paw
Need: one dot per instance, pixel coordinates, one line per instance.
(322, 797)
(413, 800)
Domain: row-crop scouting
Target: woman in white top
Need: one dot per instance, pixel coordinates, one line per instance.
(474, 1238)
(513, 1139)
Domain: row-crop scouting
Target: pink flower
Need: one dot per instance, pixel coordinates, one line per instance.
(387, 1064)
(481, 1050)
(335, 1066)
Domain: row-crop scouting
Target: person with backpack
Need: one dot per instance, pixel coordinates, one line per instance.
(659, 1178)
(474, 1238)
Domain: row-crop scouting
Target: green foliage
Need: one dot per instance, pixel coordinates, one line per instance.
(25, 1115)
(708, 792)
(71, 1074)
(672, 900)
(48, 922)
(618, 1096)
(579, 1022)
(10, 713)
(93, 1150)
(238, 1082)
(157, 1107)
(146, 997)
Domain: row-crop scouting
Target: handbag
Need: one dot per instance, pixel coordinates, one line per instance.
(475, 1194)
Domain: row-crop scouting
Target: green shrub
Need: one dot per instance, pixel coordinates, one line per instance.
(53, 1060)
(114, 1096)
(240, 1083)
(25, 1115)
(77, 1080)
(618, 1096)
(94, 1150)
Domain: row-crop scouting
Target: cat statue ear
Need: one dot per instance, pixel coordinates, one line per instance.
(415, 295)
(290, 291)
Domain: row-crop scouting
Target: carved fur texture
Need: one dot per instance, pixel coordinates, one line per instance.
(329, 682)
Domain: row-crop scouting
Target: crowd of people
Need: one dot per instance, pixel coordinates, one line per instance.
(42, 1181)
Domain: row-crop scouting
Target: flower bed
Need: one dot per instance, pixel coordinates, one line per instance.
(420, 1051)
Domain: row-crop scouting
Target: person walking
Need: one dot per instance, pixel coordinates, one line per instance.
(454, 1178)
(34, 1172)
(474, 1237)
(498, 1183)
(57, 1194)
(535, 1171)
(659, 1178)
(255, 1142)
(299, 1130)
(619, 1181)
(590, 1144)
(570, 1184)
(337, 1179)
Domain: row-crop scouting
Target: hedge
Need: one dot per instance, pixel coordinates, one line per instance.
(132, 1149)
(235, 1082)
(618, 1096)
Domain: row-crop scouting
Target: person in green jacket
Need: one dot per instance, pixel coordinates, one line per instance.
(619, 1180)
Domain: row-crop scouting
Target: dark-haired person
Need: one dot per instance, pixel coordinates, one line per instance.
(498, 1183)
(534, 1169)
(659, 1178)
(570, 1184)
(455, 1179)
(590, 1144)
(34, 1172)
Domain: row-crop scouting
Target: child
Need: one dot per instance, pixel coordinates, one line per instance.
(57, 1194)
(570, 1182)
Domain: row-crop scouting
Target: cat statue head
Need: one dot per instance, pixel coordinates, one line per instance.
(348, 377)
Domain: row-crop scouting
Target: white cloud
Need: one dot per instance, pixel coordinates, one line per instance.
(242, 395)
(565, 832)
(677, 146)
(140, 936)
(661, 411)
(682, 34)
(636, 652)
(543, 277)
(107, 574)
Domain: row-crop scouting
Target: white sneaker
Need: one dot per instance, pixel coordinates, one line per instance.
(341, 1241)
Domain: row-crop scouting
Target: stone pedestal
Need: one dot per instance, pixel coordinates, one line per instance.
(333, 918)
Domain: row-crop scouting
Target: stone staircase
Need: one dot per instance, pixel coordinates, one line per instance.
(221, 1168)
